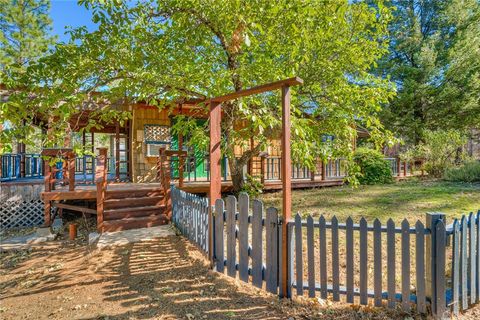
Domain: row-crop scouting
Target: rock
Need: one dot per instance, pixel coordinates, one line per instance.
(57, 225)
(44, 231)
(93, 238)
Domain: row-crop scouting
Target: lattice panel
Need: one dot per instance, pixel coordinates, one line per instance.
(21, 213)
(154, 133)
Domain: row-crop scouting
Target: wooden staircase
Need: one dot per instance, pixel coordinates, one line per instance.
(125, 210)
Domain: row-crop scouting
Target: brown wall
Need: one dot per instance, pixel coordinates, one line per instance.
(144, 168)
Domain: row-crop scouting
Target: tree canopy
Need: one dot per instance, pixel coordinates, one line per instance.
(170, 51)
(434, 59)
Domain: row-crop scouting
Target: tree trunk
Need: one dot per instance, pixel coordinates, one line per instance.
(236, 172)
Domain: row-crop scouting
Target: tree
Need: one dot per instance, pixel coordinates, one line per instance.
(25, 33)
(174, 50)
(25, 36)
(433, 60)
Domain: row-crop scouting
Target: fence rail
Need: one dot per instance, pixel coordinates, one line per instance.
(14, 166)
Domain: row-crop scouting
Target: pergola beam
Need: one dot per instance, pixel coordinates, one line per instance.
(215, 165)
(256, 90)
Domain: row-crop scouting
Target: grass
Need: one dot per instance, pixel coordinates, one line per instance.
(408, 199)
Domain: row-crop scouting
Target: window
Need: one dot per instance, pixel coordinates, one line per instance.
(156, 136)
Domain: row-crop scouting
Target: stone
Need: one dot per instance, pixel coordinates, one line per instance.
(43, 231)
(57, 225)
(93, 238)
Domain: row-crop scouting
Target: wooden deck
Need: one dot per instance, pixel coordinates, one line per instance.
(89, 192)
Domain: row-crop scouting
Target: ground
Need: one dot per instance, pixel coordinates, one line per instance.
(164, 278)
(168, 278)
(406, 199)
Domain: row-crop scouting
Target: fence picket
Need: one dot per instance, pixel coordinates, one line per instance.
(311, 258)
(323, 257)
(335, 260)
(472, 258)
(463, 261)
(363, 262)
(420, 266)
(455, 268)
(440, 268)
(377, 262)
(219, 242)
(350, 266)
(478, 255)
(271, 225)
(257, 243)
(405, 265)
(299, 254)
(391, 263)
(243, 206)
(231, 241)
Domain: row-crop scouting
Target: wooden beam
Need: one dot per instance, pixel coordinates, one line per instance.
(215, 190)
(101, 181)
(286, 185)
(117, 151)
(74, 208)
(256, 90)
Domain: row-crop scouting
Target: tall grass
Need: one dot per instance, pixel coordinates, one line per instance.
(469, 172)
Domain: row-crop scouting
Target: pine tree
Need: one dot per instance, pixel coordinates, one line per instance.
(25, 34)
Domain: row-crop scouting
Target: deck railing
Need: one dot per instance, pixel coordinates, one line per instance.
(15, 166)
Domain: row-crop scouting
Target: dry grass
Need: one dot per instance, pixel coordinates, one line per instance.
(409, 199)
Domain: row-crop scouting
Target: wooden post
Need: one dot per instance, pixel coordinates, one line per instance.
(324, 172)
(262, 169)
(431, 258)
(101, 181)
(71, 170)
(117, 151)
(312, 174)
(399, 167)
(165, 180)
(47, 206)
(286, 186)
(215, 191)
(21, 152)
(181, 160)
(404, 168)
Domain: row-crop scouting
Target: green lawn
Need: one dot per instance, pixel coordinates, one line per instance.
(408, 199)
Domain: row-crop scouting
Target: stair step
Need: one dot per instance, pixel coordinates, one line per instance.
(129, 212)
(133, 202)
(134, 223)
(122, 193)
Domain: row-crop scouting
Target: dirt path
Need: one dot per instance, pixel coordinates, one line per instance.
(164, 278)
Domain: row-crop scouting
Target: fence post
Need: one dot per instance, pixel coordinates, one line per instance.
(432, 256)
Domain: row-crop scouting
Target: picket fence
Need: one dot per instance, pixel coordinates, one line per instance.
(190, 216)
(411, 267)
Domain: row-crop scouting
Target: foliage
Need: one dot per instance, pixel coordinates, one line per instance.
(252, 186)
(25, 29)
(434, 60)
(164, 52)
(468, 172)
(440, 150)
(374, 168)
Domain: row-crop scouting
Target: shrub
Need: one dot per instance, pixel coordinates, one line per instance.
(441, 149)
(374, 169)
(469, 172)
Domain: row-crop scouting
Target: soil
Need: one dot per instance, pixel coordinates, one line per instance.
(166, 278)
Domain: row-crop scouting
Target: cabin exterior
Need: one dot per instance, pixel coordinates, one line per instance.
(125, 177)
